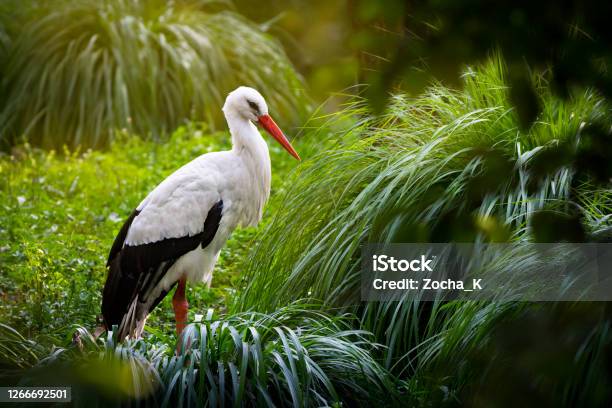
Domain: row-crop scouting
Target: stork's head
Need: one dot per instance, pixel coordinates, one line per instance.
(248, 104)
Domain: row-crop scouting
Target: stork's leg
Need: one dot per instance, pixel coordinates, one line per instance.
(180, 305)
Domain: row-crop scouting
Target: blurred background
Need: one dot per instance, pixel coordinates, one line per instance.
(76, 71)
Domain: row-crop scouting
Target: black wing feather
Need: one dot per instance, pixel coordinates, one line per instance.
(135, 270)
(120, 238)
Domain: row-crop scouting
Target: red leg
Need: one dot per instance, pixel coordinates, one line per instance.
(180, 305)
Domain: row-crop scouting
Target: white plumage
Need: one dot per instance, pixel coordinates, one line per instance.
(173, 216)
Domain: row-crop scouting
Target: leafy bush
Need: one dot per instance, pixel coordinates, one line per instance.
(446, 166)
(292, 357)
(79, 70)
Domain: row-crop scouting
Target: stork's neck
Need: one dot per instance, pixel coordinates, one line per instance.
(246, 139)
(253, 150)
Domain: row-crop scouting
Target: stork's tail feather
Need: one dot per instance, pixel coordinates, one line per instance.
(119, 300)
(133, 322)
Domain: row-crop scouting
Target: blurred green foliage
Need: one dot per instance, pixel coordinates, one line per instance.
(73, 72)
(317, 36)
(420, 40)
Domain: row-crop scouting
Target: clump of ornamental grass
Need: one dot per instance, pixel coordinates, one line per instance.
(295, 356)
(445, 166)
(76, 71)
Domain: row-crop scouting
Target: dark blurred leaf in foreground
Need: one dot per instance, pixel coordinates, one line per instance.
(569, 39)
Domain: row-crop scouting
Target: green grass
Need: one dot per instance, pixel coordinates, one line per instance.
(77, 70)
(445, 166)
(396, 178)
(295, 356)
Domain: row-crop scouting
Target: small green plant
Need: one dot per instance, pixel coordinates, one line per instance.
(16, 351)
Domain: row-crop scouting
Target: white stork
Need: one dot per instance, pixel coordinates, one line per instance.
(176, 233)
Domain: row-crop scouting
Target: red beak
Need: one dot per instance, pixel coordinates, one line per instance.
(272, 128)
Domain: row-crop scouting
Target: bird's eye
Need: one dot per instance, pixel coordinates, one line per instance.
(253, 106)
